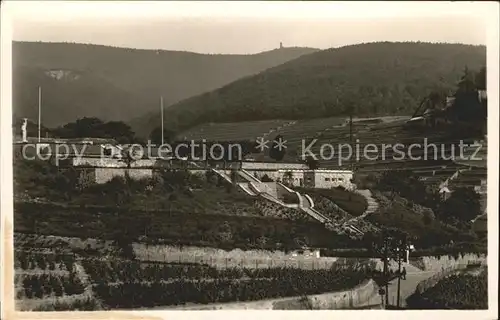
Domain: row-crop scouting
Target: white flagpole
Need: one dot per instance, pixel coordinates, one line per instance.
(39, 113)
(162, 132)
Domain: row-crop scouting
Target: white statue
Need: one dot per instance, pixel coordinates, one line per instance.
(24, 130)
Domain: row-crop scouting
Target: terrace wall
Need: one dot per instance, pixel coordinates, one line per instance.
(102, 170)
(234, 258)
(260, 166)
(329, 179)
(111, 163)
(103, 175)
(443, 262)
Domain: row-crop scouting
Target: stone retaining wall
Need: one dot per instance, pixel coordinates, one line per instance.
(444, 262)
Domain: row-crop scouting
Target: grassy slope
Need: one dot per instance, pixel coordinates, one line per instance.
(458, 291)
(375, 78)
(121, 83)
(403, 214)
(199, 213)
(351, 202)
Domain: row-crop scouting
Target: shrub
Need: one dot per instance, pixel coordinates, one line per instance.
(73, 285)
(290, 198)
(266, 178)
(463, 205)
(462, 291)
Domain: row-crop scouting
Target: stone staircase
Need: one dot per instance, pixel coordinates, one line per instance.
(247, 176)
(359, 223)
(223, 175)
(272, 190)
(372, 203)
(245, 186)
(275, 192)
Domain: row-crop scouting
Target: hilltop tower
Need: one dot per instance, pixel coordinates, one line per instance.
(281, 45)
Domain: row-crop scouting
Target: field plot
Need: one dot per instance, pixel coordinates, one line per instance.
(134, 284)
(303, 130)
(234, 131)
(335, 132)
(115, 283)
(45, 282)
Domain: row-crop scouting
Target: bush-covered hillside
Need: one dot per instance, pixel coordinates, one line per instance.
(371, 79)
(463, 291)
(120, 84)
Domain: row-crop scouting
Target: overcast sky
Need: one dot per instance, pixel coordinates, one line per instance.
(248, 27)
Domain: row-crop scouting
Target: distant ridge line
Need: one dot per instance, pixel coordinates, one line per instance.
(165, 50)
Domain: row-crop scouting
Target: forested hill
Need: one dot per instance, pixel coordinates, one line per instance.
(373, 79)
(120, 84)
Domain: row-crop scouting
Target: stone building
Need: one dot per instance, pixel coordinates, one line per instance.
(319, 178)
(100, 163)
(298, 174)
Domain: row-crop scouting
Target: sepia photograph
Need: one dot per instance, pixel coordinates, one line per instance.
(161, 156)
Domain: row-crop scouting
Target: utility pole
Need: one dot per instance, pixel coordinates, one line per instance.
(402, 249)
(386, 270)
(399, 277)
(162, 131)
(39, 113)
(392, 245)
(350, 134)
(381, 249)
